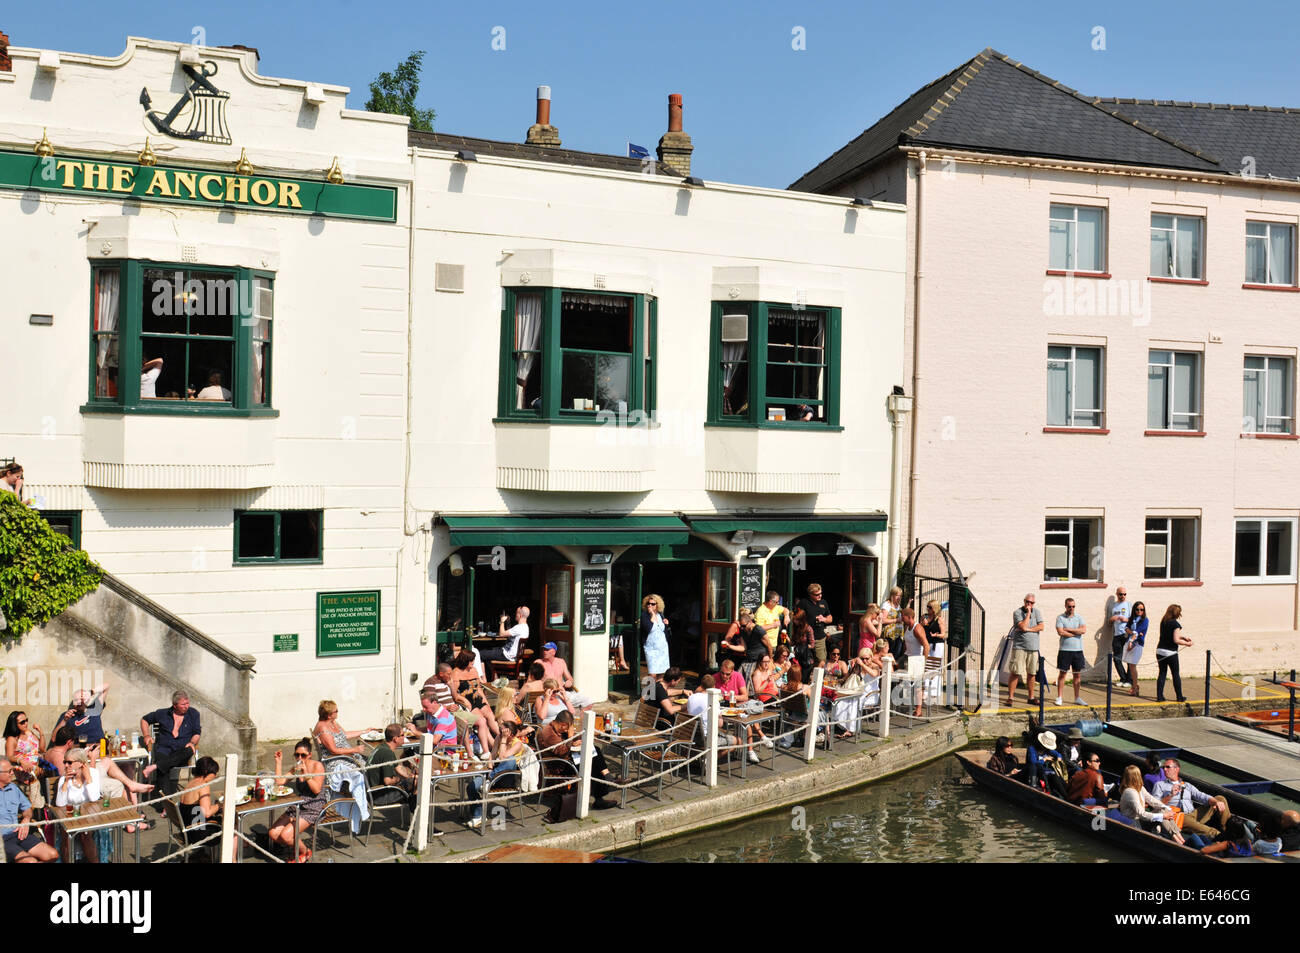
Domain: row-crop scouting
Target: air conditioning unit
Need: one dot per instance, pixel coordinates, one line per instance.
(1056, 558)
(735, 327)
(1156, 555)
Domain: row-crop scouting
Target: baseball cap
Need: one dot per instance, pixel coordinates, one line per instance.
(550, 645)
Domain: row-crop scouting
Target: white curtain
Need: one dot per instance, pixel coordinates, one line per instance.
(528, 336)
(732, 353)
(1058, 387)
(107, 297)
(1280, 246)
(259, 357)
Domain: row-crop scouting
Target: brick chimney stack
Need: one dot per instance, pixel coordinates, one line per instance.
(675, 146)
(6, 64)
(542, 133)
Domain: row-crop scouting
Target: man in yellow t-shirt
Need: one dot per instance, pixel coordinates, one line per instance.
(772, 618)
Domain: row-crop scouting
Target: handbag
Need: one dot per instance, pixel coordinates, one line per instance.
(852, 684)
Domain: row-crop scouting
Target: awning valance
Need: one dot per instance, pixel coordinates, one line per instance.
(792, 523)
(565, 530)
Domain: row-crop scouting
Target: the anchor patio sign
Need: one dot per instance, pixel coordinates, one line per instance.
(207, 104)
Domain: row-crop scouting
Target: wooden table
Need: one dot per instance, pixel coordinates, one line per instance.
(93, 818)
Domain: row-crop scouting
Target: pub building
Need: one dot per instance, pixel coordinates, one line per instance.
(350, 389)
(204, 357)
(674, 386)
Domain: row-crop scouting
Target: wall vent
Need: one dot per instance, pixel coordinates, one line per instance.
(448, 277)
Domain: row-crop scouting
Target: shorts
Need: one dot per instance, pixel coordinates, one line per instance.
(14, 846)
(1074, 661)
(819, 650)
(1024, 662)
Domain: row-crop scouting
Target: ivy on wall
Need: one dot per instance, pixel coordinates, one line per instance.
(40, 574)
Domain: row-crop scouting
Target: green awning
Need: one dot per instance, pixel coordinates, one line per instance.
(565, 530)
(792, 523)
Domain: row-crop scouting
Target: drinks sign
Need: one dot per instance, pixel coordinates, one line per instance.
(594, 586)
(347, 623)
(751, 586)
(207, 187)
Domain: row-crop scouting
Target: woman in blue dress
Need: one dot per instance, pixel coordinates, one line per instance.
(654, 629)
(1137, 637)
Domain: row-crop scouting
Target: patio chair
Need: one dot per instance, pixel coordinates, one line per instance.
(672, 753)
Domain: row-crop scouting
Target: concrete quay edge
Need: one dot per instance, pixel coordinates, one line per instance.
(817, 780)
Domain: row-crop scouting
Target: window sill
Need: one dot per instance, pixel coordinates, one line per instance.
(1173, 433)
(592, 420)
(1264, 581)
(1102, 431)
(1270, 436)
(1252, 287)
(1079, 274)
(774, 425)
(1072, 585)
(1170, 583)
(269, 561)
(166, 410)
(1178, 281)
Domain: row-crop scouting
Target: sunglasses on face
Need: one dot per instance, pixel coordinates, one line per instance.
(300, 755)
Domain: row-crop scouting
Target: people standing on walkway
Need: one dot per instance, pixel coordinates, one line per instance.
(654, 630)
(818, 615)
(1117, 618)
(773, 618)
(935, 634)
(1071, 628)
(1137, 637)
(869, 627)
(1026, 623)
(1171, 636)
(917, 647)
(733, 645)
(892, 622)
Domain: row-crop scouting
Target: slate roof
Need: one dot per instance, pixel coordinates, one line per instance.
(995, 104)
(520, 150)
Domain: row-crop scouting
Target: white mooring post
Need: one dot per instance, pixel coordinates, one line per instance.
(584, 769)
(886, 696)
(711, 740)
(228, 816)
(814, 713)
(423, 787)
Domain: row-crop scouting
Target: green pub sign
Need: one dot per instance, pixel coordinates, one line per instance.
(284, 642)
(347, 623)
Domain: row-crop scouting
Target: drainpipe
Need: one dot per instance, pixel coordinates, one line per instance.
(916, 342)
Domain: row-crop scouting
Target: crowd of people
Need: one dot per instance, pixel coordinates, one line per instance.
(1159, 801)
(1128, 624)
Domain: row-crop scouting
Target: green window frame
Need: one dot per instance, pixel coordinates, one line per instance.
(264, 530)
(65, 522)
(121, 333)
(771, 354)
(543, 373)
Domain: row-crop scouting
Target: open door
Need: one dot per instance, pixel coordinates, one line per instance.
(719, 607)
(625, 621)
(860, 584)
(557, 609)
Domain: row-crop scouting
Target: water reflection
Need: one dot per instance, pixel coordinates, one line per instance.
(928, 814)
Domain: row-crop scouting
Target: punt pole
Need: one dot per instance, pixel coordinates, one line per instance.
(1205, 710)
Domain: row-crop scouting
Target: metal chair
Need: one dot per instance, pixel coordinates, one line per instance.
(402, 803)
(672, 753)
(180, 836)
(332, 817)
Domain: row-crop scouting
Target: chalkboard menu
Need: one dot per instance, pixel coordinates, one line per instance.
(751, 587)
(594, 585)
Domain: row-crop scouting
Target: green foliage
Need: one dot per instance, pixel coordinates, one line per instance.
(40, 574)
(395, 93)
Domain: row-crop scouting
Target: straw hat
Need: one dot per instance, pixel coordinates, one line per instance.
(1047, 739)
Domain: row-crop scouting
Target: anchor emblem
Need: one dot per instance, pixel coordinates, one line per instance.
(207, 104)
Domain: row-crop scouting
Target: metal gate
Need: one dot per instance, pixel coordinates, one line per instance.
(931, 573)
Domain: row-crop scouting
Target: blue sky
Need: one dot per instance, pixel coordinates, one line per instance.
(760, 112)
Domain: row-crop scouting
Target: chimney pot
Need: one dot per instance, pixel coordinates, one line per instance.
(542, 133)
(6, 65)
(675, 146)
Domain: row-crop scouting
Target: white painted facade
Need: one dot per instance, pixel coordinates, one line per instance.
(157, 494)
(385, 386)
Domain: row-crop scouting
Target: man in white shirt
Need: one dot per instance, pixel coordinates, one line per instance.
(517, 634)
(214, 390)
(149, 377)
(1120, 610)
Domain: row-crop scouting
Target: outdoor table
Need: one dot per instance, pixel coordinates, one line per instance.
(255, 806)
(93, 818)
(638, 739)
(752, 721)
(445, 773)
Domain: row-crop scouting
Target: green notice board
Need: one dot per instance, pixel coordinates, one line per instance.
(284, 642)
(347, 623)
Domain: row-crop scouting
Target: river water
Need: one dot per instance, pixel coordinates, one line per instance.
(926, 814)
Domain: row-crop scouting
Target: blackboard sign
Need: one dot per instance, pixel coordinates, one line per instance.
(594, 585)
(347, 623)
(751, 587)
